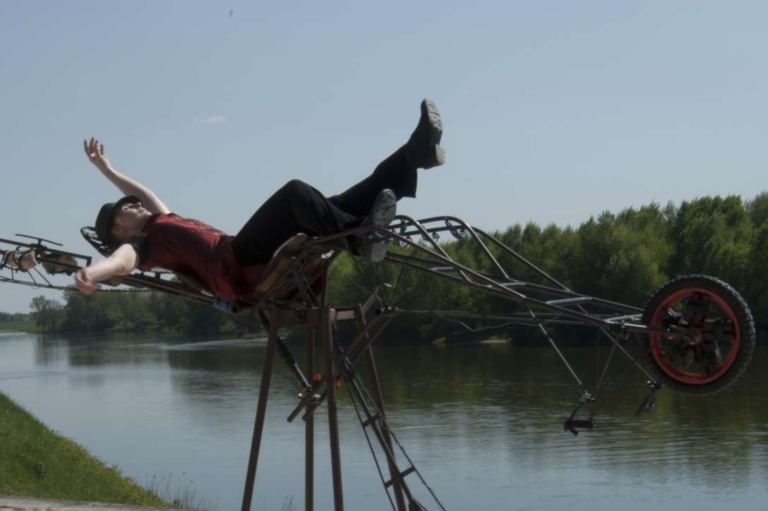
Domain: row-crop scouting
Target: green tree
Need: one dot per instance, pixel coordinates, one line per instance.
(713, 236)
(46, 313)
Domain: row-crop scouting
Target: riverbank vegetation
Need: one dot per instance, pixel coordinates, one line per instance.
(34, 461)
(23, 326)
(17, 323)
(621, 256)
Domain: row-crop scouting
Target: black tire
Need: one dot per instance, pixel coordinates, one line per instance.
(707, 363)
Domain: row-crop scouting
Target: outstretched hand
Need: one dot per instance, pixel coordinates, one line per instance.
(94, 150)
(84, 283)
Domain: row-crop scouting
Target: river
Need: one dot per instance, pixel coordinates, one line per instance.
(483, 425)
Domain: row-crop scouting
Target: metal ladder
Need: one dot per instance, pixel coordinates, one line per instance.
(373, 420)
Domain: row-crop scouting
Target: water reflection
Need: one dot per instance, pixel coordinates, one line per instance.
(481, 420)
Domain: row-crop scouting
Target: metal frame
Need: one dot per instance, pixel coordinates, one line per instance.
(293, 292)
(298, 275)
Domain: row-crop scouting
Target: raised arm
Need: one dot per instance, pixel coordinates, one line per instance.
(95, 152)
(121, 262)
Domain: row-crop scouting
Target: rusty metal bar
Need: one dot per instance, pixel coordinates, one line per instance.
(373, 376)
(333, 419)
(261, 409)
(309, 430)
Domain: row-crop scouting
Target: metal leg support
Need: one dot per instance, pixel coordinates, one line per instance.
(333, 422)
(309, 430)
(261, 409)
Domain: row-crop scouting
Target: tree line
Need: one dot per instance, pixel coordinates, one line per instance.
(135, 311)
(621, 256)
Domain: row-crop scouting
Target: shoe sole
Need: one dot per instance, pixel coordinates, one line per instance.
(377, 252)
(439, 156)
(384, 209)
(430, 111)
(434, 128)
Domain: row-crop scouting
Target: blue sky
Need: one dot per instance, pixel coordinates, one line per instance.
(554, 111)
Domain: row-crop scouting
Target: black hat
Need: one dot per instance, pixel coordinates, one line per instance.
(107, 216)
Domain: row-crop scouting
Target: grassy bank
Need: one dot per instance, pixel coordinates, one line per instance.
(36, 462)
(18, 326)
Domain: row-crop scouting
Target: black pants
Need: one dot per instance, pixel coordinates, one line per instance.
(298, 207)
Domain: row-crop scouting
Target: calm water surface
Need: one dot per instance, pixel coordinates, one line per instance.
(482, 424)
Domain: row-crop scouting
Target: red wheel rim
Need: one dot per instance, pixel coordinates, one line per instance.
(657, 346)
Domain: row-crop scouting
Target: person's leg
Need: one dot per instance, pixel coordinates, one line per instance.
(298, 207)
(398, 172)
(294, 208)
(394, 173)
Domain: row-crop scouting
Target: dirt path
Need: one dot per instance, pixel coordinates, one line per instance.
(32, 504)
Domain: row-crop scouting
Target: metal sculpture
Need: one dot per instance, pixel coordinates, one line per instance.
(697, 332)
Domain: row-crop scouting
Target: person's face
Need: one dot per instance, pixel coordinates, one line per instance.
(129, 220)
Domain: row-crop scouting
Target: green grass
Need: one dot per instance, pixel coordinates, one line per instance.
(18, 326)
(36, 462)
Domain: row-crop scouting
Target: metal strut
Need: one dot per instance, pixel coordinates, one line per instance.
(294, 275)
(373, 420)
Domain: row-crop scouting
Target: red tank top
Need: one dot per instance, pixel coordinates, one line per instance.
(193, 248)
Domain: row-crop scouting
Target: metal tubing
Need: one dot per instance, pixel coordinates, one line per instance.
(261, 408)
(394, 472)
(373, 375)
(333, 420)
(354, 350)
(309, 430)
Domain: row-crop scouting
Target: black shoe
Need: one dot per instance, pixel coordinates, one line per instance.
(423, 148)
(384, 210)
